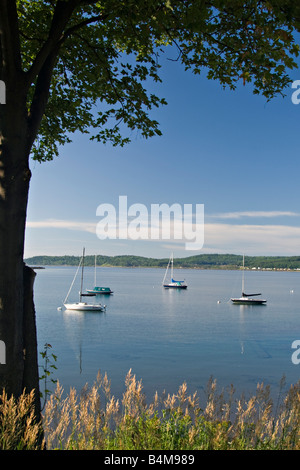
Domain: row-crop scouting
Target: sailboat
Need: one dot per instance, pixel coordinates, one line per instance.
(172, 284)
(98, 290)
(247, 299)
(82, 306)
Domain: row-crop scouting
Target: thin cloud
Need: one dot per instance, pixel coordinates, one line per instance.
(255, 239)
(63, 224)
(218, 237)
(253, 214)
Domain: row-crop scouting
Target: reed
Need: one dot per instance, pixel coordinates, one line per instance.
(19, 429)
(95, 419)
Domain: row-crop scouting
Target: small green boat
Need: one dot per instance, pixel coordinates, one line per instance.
(100, 290)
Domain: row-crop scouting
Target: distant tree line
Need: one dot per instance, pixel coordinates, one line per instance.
(204, 261)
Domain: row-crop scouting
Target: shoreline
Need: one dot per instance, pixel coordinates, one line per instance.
(196, 268)
(201, 261)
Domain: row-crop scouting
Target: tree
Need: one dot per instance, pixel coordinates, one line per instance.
(83, 65)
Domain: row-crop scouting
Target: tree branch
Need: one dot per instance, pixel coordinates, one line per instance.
(62, 14)
(9, 40)
(40, 97)
(45, 61)
(80, 25)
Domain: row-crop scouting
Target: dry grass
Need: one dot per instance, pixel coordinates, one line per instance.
(18, 427)
(95, 419)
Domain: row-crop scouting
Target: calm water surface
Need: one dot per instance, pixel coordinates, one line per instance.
(166, 336)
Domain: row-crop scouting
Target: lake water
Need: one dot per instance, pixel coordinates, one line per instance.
(168, 336)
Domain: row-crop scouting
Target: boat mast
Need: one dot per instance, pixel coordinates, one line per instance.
(73, 282)
(243, 278)
(166, 271)
(81, 286)
(172, 262)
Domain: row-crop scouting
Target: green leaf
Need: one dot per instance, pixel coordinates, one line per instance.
(108, 57)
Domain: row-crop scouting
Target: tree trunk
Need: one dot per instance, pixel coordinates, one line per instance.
(19, 124)
(17, 317)
(31, 368)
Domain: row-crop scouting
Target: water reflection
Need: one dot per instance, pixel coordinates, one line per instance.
(77, 325)
(74, 327)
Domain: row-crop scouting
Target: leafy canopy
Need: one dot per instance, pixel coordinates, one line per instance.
(89, 61)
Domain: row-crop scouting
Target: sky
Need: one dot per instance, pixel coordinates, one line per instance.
(229, 152)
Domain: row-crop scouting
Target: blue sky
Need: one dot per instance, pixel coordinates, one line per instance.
(229, 150)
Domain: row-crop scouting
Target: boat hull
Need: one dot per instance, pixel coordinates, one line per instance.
(248, 301)
(82, 306)
(174, 286)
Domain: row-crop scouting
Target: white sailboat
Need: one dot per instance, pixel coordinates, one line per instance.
(82, 306)
(173, 284)
(247, 299)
